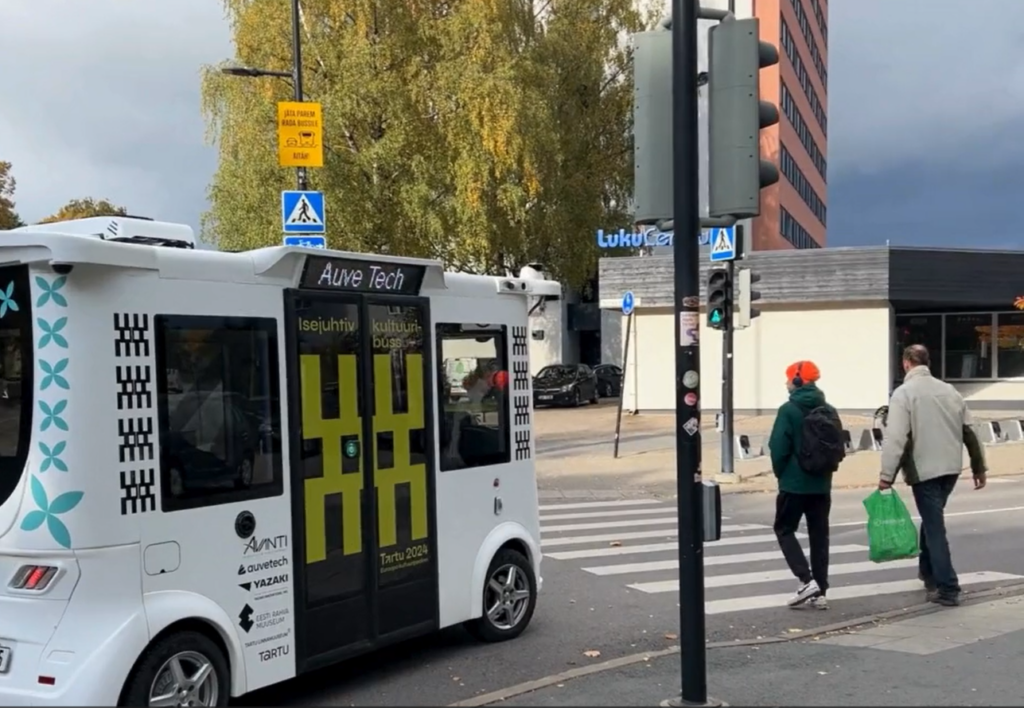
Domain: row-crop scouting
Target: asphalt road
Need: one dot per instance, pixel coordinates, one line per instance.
(589, 606)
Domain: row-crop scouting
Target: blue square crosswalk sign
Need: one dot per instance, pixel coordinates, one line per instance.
(302, 212)
(723, 244)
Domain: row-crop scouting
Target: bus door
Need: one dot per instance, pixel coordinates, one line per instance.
(362, 470)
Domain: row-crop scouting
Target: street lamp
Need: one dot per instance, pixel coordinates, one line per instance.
(295, 75)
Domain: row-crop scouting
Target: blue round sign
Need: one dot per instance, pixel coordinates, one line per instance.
(627, 303)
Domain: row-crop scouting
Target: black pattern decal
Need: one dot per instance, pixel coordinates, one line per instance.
(521, 375)
(132, 334)
(523, 444)
(134, 391)
(522, 414)
(519, 345)
(138, 491)
(136, 439)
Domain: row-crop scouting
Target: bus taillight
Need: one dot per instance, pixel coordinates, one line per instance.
(33, 577)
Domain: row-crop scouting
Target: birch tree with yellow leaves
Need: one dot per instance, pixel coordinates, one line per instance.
(485, 133)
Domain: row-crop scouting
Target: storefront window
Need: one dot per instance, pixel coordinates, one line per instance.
(969, 346)
(919, 329)
(1011, 345)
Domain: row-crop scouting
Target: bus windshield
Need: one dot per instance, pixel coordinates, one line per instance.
(15, 376)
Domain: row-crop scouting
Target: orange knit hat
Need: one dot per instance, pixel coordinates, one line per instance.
(806, 371)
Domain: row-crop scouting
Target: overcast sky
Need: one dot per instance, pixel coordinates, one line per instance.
(926, 100)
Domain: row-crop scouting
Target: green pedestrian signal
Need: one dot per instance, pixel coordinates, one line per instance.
(719, 294)
(351, 449)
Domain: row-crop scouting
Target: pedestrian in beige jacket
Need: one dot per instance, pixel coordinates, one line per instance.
(927, 429)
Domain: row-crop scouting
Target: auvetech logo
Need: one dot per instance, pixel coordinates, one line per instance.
(245, 569)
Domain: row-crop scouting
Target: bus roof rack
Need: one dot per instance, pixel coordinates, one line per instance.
(123, 229)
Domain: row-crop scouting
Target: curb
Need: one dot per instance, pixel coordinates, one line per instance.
(926, 608)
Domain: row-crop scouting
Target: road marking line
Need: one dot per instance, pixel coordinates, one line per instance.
(647, 567)
(849, 592)
(973, 512)
(600, 504)
(635, 535)
(604, 514)
(671, 523)
(659, 547)
(771, 576)
(666, 521)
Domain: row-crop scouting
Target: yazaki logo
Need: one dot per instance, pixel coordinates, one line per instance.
(256, 545)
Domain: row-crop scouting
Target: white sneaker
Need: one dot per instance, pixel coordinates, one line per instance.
(804, 593)
(818, 602)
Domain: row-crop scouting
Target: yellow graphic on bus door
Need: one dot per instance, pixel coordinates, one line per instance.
(400, 424)
(330, 431)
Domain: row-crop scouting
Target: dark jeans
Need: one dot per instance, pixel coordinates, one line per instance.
(789, 509)
(936, 565)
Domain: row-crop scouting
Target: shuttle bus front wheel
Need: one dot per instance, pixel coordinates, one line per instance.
(181, 669)
(510, 596)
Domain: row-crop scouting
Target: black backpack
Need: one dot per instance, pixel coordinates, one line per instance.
(821, 442)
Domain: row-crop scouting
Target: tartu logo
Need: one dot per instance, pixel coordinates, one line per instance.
(641, 239)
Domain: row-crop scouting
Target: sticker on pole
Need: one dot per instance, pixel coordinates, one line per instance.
(691, 426)
(689, 329)
(690, 379)
(691, 399)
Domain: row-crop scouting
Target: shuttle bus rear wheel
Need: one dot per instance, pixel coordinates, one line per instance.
(182, 669)
(510, 596)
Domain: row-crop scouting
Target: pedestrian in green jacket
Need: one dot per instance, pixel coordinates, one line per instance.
(801, 495)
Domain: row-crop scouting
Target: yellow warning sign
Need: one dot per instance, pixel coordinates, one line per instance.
(299, 134)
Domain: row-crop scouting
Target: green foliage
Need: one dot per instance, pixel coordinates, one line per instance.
(85, 208)
(9, 218)
(485, 133)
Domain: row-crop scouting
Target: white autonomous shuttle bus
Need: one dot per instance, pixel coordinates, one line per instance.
(221, 470)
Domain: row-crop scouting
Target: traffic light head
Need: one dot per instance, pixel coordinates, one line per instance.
(746, 296)
(736, 115)
(719, 298)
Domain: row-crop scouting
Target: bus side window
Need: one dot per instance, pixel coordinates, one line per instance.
(219, 406)
(473, 395)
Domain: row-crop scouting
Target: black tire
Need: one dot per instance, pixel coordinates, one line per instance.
(597, 396)
(137, 688)
(484, 628)
(577, 401)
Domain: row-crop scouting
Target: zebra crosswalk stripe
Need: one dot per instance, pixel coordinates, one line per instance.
(709, 561)
(634, 545)
(636, 535)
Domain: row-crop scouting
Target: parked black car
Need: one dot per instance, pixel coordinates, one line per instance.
(609, 380)
(565, 385)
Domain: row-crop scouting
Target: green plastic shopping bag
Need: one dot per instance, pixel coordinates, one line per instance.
(892, 534)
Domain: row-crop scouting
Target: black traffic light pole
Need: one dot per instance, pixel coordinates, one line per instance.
(300, 172)
(686, 296)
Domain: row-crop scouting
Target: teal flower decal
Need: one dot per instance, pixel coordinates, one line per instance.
(51, 456)
(7, 300)
(50, 291)
(51, 416)
(49, 511)
(53, 374)
(51, 332)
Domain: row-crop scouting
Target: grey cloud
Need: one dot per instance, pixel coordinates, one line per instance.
(103, 100)
(920, 80)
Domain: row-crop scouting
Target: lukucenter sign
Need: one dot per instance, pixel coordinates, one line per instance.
(650, 238)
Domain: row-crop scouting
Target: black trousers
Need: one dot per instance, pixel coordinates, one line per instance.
(789, 509)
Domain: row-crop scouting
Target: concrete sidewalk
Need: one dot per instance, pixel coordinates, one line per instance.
(965, 656)
(654, 473)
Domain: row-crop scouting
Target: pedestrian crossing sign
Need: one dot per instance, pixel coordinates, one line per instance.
(302, 212)
(723, 244)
